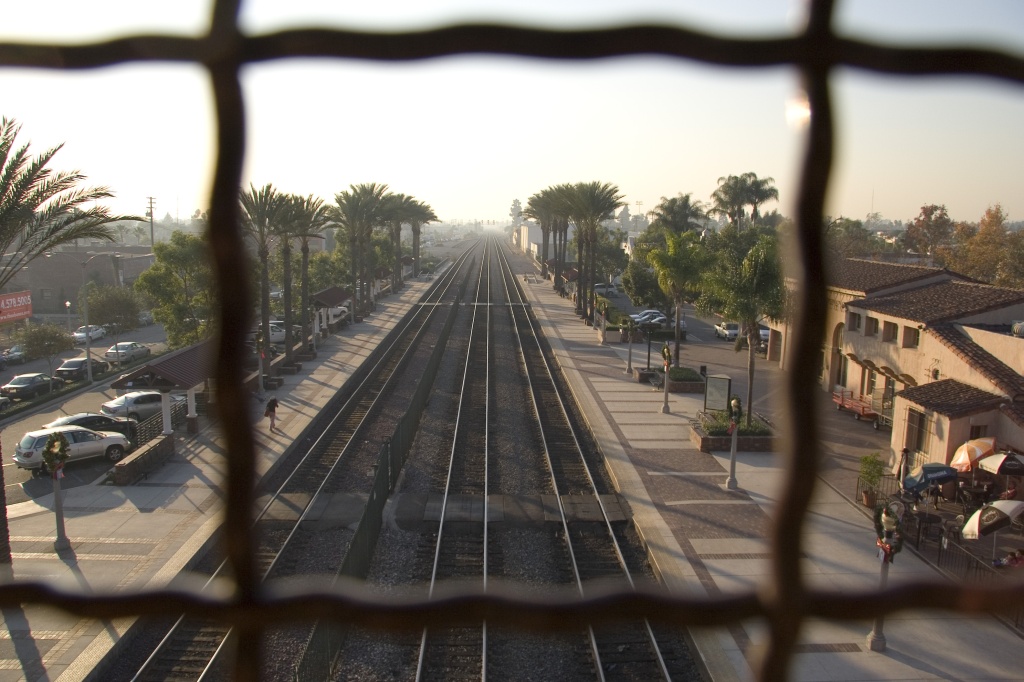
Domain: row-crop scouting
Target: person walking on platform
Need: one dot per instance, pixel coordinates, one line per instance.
(271, 412)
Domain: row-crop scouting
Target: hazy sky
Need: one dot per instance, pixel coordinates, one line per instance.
(470, 135)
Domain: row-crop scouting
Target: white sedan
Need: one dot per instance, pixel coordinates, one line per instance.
(92, 332)
(125, 352)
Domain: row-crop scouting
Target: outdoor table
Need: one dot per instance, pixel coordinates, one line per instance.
(921, 521)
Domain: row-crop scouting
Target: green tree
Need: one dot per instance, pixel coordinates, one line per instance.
(302, 218)
(313, 218)
(611, 259)
(181, 285)
(641, 285)
(1010, 271)
(396, 210)
(46, 341)
(744, 282)
(590, 204)
(116, 309)
(539, 208)
(759, 191)
(679, 268)
(730, 198)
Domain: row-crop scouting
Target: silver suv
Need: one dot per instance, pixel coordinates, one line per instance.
(82, 443)
(138, 405)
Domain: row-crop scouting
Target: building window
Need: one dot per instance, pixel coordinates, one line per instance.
(917, 431)
(979, 431)
(46, 294)
(889, 332)
(911, 337)
(853, 322)
(871, 327)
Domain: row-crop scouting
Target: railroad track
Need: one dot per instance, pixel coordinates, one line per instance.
(191, 648)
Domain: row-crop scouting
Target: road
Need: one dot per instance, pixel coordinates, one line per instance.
(19, 484)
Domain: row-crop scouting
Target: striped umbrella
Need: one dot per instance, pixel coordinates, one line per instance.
(1003, 463)
(991, 518)
(970, 452)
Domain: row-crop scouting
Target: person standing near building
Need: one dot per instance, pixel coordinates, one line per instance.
(271, 412)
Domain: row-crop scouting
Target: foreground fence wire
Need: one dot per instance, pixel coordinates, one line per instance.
(815, 52)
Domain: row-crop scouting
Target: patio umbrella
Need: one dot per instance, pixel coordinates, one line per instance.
(991, 518)
(970, 452)
(925, 475)
(1003, 463)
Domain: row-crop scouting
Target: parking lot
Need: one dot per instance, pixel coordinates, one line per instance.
(20, 485)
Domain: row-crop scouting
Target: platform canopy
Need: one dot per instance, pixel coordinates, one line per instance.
(177, 371)
(331, 297)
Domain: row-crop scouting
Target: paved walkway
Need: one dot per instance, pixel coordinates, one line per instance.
(708, 540)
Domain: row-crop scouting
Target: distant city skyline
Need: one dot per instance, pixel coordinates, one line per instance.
(468, 135)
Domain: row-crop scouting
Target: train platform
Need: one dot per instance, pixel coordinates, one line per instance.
(143, 535)
(708, 540)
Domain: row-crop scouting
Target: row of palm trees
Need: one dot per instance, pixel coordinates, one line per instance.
(271, 218)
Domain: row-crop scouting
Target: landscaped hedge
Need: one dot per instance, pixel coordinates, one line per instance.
(716, 423)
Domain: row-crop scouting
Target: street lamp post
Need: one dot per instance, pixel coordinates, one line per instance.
(666, 354)
(887, 547)
(67, 309)
(84, 295)
(735, 414)
(629, 362)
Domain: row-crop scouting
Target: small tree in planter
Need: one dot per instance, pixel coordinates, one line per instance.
(872, 468)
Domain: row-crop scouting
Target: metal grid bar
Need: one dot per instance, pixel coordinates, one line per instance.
(814, 52)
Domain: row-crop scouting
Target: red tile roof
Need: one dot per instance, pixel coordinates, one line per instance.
(942, 302)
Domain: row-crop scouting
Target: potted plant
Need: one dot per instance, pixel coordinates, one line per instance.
(872, 468)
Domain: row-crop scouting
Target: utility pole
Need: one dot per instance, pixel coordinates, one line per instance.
(152, 201)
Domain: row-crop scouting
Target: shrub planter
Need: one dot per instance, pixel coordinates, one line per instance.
(685, 386)
(706, 443)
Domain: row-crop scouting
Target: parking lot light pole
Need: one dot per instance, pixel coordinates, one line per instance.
(84, 296)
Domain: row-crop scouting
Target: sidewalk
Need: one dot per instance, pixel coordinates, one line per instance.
(707, 540)
(143, 535)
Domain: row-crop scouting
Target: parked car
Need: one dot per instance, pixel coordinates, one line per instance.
(727, 330)
(93, 333)
(276, 333)
(126, 351)
(603, 289)
(75, 369)
(145, 318)
(766, 333)
(27, 386)
(82, 443)
(642, 316)
(15, 355)
(137, 405)
(5, 402)
(98, 422)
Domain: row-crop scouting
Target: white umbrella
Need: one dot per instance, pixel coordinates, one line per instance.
(1003, 463)
(990, 518)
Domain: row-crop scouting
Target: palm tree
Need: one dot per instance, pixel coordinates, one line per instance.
(591, 203)
(730, 198)
(678, 214)
(539, 208)
(746, 288)
(314, 217)
(396, 210)
(262, 213)
(759, 191)
(40, 209)
(679, 267)
(423, 215)
(358, 212)
(302, 218)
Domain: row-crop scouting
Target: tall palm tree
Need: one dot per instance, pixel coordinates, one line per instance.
(357, 211)
(303, 218)
(730, 198)
(262, 213)
(397, 209)
(422, 215)
(314, 217)
(679, 267)
(759, 191)
(40, 209)
(592, 203)
(745, 288)
(539, 208)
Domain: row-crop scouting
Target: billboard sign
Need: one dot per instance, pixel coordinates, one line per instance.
(16, 306)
